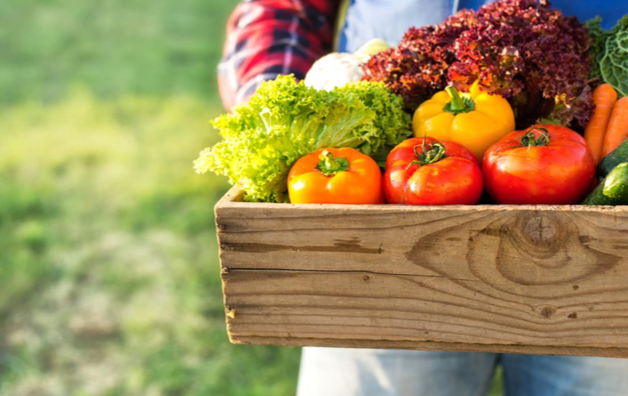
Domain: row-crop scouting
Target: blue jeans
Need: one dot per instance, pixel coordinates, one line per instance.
(370, 372)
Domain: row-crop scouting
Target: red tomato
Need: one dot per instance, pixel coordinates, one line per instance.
(546, 164)
(424, 171)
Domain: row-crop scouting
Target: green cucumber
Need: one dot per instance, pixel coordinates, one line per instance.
(616, 157)
(613, 190)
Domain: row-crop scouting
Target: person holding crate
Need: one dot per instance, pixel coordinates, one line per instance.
(267, 38)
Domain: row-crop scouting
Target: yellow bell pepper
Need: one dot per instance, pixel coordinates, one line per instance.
(475, 120)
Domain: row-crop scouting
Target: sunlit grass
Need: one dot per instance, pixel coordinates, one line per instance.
(109, 276)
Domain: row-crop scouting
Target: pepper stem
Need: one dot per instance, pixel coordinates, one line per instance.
(329, 165)
(530, 139)
(435, 153)
(458, 104)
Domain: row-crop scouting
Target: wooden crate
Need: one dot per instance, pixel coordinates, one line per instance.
(521, 279)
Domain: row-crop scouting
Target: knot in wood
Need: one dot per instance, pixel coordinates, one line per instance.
(547, 311)
(531, 248)
(540, 229)
(541, 234)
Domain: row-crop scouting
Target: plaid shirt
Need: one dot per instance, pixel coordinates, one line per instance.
(266, 38)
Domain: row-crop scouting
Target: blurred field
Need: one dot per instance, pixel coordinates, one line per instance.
(109, 279)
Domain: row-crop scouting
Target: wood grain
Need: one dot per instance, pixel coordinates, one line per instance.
(522, 279)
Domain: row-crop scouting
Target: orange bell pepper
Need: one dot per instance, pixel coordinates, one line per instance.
(340, 176)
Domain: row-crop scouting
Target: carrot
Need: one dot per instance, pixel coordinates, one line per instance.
(604, 98)
(617, 130)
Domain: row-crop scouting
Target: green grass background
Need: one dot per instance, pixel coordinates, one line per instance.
(109, 280)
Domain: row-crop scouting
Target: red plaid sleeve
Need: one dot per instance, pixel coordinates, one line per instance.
(266, 38)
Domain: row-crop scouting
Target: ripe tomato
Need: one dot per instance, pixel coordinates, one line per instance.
(546, 164)
(341, 176)
(424, 171)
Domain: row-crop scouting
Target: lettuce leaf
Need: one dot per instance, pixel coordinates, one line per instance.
(286, 120)
(523, 50)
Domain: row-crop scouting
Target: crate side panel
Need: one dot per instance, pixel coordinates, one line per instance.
(366, 306)
(534, 253)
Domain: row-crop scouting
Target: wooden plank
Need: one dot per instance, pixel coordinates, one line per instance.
(402, 308)
(530, 279)
(433, 346)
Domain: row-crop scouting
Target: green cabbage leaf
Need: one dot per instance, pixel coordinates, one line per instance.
(286, 120)
(610, 51)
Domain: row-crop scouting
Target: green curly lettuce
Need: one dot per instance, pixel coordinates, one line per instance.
(286, 120)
